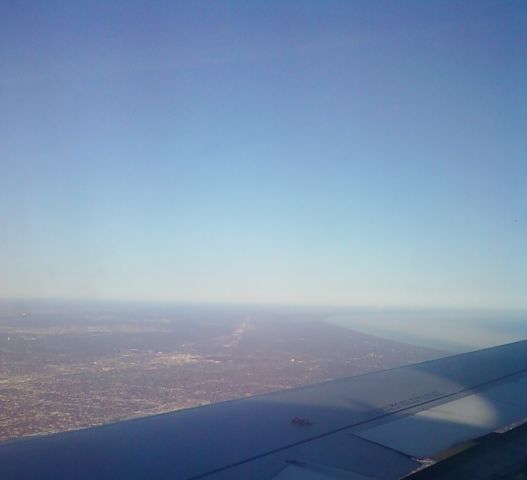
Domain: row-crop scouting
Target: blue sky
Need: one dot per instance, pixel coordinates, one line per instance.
(350, 153)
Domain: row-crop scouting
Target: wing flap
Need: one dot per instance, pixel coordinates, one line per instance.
(430, 432)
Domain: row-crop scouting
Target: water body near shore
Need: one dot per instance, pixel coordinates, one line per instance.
(449, 330)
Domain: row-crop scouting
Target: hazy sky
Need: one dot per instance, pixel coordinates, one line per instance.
(355, 152)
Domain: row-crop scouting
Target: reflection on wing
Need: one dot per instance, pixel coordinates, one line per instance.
(429, 432)
(381, 425)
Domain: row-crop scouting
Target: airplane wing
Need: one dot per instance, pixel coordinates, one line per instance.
(382, 425)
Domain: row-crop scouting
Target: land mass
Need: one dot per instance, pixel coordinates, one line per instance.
(64, 368)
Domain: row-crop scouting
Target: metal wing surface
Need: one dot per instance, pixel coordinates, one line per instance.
(382, 425)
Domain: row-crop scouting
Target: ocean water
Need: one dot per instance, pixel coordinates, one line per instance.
(448, 330)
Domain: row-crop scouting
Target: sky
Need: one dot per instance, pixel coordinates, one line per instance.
(333, 153)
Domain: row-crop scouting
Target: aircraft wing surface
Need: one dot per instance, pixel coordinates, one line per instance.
(382, 425)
